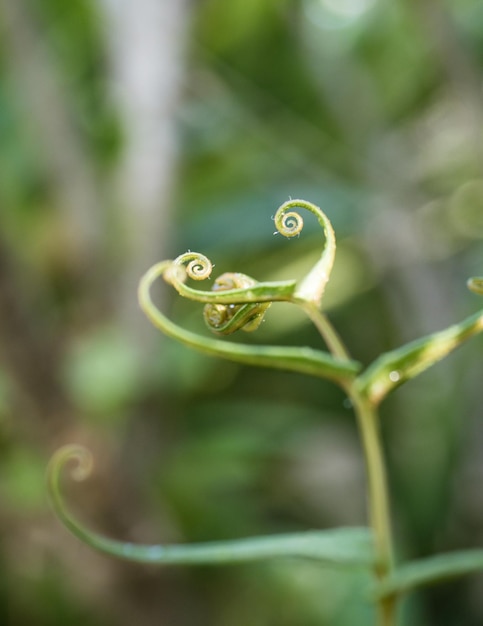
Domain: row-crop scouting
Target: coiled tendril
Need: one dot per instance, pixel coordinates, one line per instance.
(199, 267)
(228, 318)
(189, 265)
(289, 224)
(226, 315)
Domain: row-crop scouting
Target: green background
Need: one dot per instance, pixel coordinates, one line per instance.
(371, 109)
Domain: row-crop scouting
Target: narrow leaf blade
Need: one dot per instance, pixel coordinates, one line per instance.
(431, 571)
(396, 367)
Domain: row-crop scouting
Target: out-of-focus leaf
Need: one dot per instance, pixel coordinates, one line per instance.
(431, 571)
(22, 482)
(102, 373)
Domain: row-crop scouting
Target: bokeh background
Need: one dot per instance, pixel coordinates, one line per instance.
(133, 131)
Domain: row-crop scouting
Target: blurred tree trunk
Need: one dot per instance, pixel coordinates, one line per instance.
(31, 351)
(47, 110)
(145, 42)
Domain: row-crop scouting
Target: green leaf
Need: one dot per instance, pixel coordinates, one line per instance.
(22, 479)
(394, 368)
(102, 373)
(431, 571)
(343, 547)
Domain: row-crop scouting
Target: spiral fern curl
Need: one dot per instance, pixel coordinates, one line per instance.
(239, 302)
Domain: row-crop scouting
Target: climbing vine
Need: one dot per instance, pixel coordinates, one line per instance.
(239, 302)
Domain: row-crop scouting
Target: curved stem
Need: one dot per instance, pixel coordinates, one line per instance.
(289, 224)
(339, 547)
(326, 330)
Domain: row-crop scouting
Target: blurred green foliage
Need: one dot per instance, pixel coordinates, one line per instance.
(372, 110)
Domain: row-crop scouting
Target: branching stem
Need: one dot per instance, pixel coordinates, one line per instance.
(238, 302)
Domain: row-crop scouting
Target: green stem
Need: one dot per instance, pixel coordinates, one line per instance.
(378, 499)
(325, 328)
